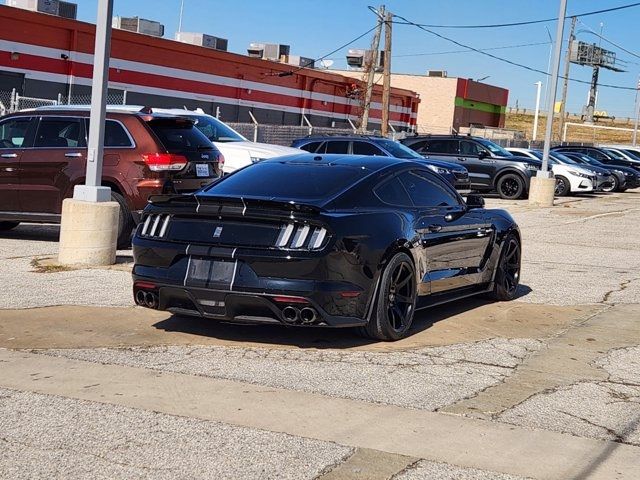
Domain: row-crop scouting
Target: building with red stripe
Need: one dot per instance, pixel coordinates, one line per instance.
(45, 56)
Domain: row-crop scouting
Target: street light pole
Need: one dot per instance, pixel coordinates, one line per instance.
(538, 85)
(92, 191)
(543, 184)
(89, 223)
(635, 124)
(180, 21)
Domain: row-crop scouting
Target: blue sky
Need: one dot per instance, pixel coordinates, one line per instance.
(314, 28)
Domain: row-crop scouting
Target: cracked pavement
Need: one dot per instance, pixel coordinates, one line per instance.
(559, 364)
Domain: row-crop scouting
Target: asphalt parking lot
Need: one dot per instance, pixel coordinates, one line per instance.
(546, 386)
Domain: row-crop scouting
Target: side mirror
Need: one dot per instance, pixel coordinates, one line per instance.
(482, 154)
(474, 201)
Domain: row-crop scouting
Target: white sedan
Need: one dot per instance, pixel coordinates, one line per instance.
(569, 178)
(238, 152)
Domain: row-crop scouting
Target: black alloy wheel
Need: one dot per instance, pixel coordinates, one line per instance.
(563, 187)
(395, 302)
(510, 186)
(614, 187)
(507, 276)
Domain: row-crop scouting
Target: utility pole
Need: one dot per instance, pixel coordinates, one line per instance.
(635, 124)
(538, 85)
(386, 79)
(567, 64)
(371, 71)
(542, 188)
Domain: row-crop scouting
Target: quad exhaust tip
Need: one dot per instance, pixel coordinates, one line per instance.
(308, 315)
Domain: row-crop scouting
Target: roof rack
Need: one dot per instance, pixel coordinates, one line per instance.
(354, 134)
(121, 108)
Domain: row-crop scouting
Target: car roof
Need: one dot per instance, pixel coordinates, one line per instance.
(372, 163)
(342, 136)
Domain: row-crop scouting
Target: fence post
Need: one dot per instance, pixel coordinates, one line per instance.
(59, 101)
(124, 96)
(255, 127)
(355, 130)
(12, 102)
(306, 120)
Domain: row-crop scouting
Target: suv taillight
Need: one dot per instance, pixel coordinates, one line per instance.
(160, 162)
(220, 160)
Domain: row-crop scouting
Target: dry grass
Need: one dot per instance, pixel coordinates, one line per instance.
(524, 123)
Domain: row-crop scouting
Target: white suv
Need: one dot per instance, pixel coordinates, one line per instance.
(238, 152)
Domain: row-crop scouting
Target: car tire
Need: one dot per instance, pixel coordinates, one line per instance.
(6, 226)
(507, 276)
(510, 186)
(395, 302)
(623, 189)
(563, 187)
(125, 221)
(614, 188)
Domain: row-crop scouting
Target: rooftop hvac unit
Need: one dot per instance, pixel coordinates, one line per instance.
(268, 51)
(52, 7)
(139, 25)
(202, 40)
(437, 73)
(299, 61)
(359, 58)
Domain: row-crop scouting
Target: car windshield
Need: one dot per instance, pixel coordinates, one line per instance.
(494, 148)
(288, 181)
(633, 154)
(398, 150)
(589, 160)
(535, 153)
(615, 155)
(562, 158)
(216, 131)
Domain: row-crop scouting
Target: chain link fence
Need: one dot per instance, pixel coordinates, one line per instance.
(285, 134)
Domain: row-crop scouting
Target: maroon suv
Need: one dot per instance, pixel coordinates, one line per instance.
(43, 156)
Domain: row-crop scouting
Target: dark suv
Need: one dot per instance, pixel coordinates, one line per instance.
(456, 175)
(490, 166)
(43, 156)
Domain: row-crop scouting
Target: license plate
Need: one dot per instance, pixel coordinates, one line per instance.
(202, 169)
(203, 272)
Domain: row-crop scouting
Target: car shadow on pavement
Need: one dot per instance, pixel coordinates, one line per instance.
(313, 337)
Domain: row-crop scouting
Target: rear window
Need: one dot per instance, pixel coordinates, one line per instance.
(288, 181)
(179, 135)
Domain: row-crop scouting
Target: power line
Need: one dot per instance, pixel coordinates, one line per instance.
(530, 22)
(633, 54)
(466, 51)
(291, 72)
(504, 60)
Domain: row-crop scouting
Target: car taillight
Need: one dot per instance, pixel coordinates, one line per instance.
(160, 162)
(220, 160)
(297, 236)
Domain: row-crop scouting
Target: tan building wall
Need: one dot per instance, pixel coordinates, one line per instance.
(437, 98)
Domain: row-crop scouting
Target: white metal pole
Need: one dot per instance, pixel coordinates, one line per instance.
(181, 11)
(92, 190)
(538, 85)
(544, 172)
(635, 124)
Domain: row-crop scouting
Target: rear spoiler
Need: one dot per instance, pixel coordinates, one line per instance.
(233, 205)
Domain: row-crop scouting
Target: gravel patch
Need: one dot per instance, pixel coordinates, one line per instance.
(50, 437)
(603, 410)
(426, 470)
(427, 378)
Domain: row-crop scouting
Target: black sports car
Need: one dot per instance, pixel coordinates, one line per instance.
(327, 240)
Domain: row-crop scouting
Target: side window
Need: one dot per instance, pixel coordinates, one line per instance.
(393, 193)
(420, 147)
(59, 132)
(115, 134)
(364, 148)
(13, 132)
(425, 191)
(470, 148)
(596, 154)
(311, 147)
(442, 146)
(337, 146)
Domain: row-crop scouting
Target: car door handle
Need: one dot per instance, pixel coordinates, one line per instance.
(73, 154)
(9, 155)
(434, 228)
